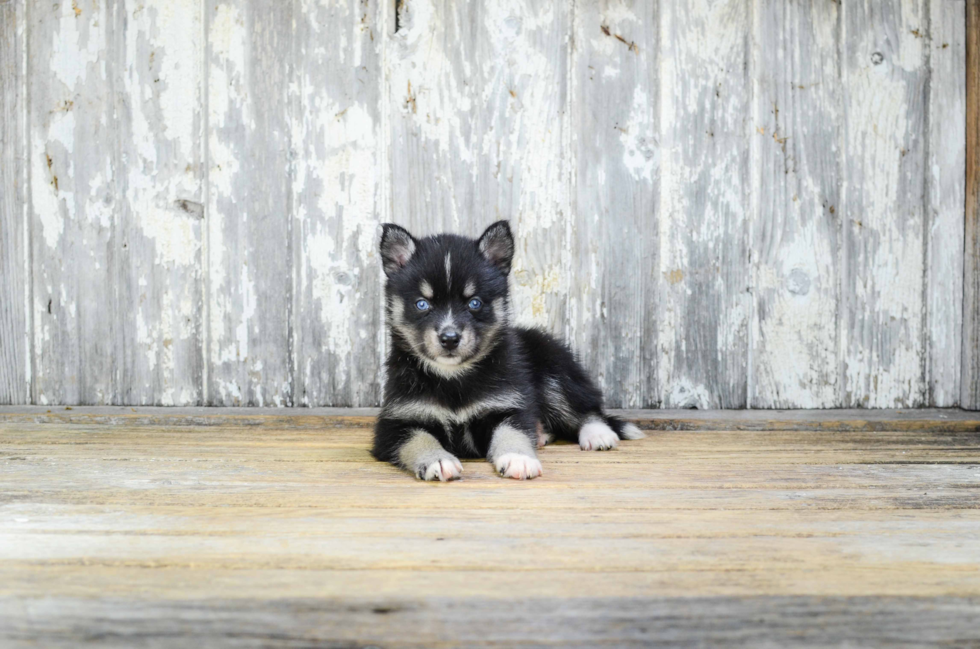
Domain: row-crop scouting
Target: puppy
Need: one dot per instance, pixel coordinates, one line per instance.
(464, 382)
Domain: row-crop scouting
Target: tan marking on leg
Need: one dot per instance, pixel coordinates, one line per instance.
(424, 456)
(512, 453)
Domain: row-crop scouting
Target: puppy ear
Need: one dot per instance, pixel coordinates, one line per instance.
(497, 245)
(397, 247)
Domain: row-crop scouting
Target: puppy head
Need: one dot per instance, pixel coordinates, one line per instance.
(447, 296)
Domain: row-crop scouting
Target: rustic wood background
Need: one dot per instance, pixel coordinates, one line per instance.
(721, 203)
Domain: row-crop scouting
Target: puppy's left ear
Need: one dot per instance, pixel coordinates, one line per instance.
(497, 245)
(397, 247)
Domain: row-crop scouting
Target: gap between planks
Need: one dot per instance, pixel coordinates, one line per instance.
(929, 419)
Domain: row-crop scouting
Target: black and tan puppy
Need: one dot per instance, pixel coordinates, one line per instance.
(464, 382)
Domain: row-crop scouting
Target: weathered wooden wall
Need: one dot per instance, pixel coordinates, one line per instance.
(971, 274)
(724, 203)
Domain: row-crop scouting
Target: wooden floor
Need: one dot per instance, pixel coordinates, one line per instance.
(189, 528)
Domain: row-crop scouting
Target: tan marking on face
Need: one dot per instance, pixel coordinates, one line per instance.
(501, 309)
(449, 270)
(470, 290)
(426, 289)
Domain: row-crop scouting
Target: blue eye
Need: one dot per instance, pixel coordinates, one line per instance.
(422, 305)
(475, 303)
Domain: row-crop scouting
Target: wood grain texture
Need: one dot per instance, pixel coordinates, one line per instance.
(945, 164)
(477, 98)
(249, 253)
(74, 164)
(970, 386)
(337, 201)
(15, 273)
(726, 204)
(616, 158)
(796, 123)
(704, 304)
(152, 533)
(516, 622)
(159, 88)
(885, 87)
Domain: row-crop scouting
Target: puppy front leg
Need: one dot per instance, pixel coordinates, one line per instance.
(512, 452)
(423, 455)
(410, 446)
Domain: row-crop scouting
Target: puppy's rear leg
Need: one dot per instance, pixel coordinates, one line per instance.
(603, 432)
(544, 437)
(423, 455)
(596, 435)
(512, 452)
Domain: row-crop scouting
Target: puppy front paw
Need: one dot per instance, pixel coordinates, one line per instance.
(597, 436)
(517, 466)
(443, 469)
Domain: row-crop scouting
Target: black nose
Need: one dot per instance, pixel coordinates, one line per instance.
(449, 340)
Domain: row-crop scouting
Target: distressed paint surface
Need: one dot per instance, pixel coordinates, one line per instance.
(945, 197)
(704, 307)
(885, 93)
(336, 197)
(15, 353)
(794, 225)
(249, 256)
(74, 201)
(615, 145)
(970, 385)
(161, 193)
(723, 203)
(477, 95)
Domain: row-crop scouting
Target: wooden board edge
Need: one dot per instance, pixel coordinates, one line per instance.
(925, 420)
(970, 385)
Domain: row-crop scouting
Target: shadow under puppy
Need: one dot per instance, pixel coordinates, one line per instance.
(464, 382)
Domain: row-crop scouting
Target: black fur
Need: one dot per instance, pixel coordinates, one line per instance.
(499, 359)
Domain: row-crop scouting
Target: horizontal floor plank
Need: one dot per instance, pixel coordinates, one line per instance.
(517, 622)
(248, 530)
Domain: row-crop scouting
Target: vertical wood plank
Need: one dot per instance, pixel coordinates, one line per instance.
(159, 67)
(970, 386)
(15, 360)
(477, 94)
(704, 108)
(946, 162)
(337, 201)
(249, 255)
(74, 201)
(796, 198)
(885, 96)
(614, 106)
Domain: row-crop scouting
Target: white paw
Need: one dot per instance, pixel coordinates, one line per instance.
(517, 466)
(597, 436)
(444, 469)
(630, 431)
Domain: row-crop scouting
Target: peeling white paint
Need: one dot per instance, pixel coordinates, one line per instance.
(176, 235)
(641, 152)
(477, 110)
(883, 330)
(76, 44)
(337, 191)
(47, 205)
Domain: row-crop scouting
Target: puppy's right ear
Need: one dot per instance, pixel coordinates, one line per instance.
(497, 245)
(397, 247)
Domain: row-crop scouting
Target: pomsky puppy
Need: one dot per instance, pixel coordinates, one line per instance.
(464, 382)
